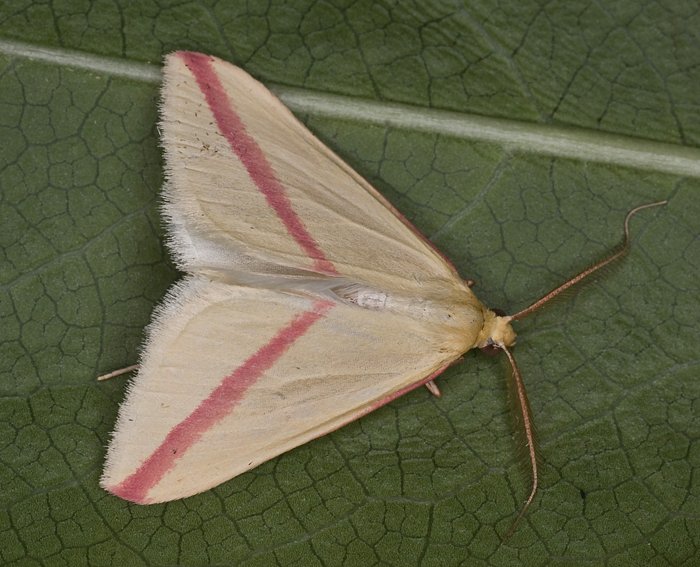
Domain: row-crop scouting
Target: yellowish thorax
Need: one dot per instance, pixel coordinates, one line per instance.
(497, 331)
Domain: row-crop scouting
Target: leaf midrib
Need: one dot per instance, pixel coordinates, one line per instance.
(516, 136)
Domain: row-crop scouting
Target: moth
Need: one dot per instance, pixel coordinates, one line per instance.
(309, 301)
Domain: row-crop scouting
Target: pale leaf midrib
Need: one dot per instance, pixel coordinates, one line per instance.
(523, 137)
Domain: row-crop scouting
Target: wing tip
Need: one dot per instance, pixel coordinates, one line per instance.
(185, 53)
(130, 495)
(130, 488)
(187, 58)
(196, 58)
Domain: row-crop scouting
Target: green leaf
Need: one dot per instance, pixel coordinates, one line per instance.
(515, 135)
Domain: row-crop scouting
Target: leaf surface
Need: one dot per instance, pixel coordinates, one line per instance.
(611, 371)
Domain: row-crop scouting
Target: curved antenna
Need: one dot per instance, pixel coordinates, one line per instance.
(620, 253)
(529, 432)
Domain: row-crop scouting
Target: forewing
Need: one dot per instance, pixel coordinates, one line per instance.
(251, 191)
(233, 376)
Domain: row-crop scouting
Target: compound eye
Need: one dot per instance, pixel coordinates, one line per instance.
(491, 349)
(499, 312)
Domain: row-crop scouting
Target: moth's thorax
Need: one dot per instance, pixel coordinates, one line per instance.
(496, 330)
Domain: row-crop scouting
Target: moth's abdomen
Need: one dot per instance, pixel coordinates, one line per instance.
(458, 314)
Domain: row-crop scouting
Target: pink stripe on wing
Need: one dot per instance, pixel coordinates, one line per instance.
(215, 407)
(252, 156)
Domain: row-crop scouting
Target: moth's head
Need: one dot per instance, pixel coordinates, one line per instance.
(496, 333)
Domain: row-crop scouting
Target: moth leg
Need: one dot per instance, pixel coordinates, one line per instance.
(470, 283)
(433, 388)
(119, 372)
